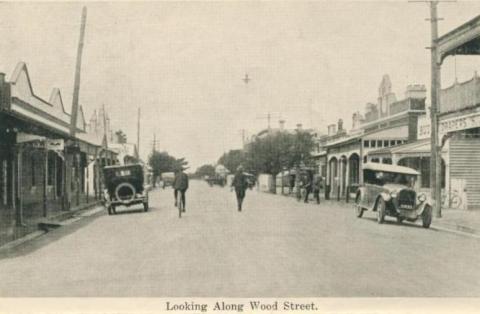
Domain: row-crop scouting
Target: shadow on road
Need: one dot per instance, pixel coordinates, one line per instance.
(48, 238)
(396, 223)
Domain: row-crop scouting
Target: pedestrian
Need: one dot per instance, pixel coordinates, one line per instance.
(308, 186)
(240, 185)
(180, 184)
(317, 183)
(291, 183)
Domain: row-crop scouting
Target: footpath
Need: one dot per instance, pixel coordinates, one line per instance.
(457, 221)
(54, 222)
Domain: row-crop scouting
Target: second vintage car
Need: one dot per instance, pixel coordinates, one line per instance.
(124, 186)
(389, 191)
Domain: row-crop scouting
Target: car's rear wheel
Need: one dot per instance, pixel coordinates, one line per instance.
(381, 211)
(358, 209)
(427, 216)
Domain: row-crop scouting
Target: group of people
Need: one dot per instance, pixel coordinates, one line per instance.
(308, 183)
(239, 184)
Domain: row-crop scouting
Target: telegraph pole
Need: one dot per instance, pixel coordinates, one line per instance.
(435, 169)
(76, 84)
(138, 133)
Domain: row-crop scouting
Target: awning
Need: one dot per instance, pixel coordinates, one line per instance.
(417, 148)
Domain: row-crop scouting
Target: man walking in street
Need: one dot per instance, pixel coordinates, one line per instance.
(317, 184)
(240, 184)
(180, 184)
(308, 186)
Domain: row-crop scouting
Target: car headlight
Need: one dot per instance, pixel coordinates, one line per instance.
(422, 197)
(393, 194)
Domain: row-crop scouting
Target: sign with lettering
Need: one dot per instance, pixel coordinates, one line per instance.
(449, 125)
(55, 144)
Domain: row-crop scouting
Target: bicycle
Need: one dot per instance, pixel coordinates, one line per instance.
(180, 204)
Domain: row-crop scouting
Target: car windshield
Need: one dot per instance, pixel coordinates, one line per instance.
(382, 178)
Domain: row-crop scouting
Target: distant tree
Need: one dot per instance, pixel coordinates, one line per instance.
(162, 162)
(274, 152)
(120, 137)
(205, 170)
(232, 159)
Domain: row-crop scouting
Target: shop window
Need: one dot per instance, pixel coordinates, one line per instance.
(375, 160)
(366, 144)
(385, 143)
(392, 143)
(3, 182)
(51, 168)
(399, 142)
(379, 143)
(387, 161)
(365, 159)
(33, 172)
(425, 171)
(373, 144)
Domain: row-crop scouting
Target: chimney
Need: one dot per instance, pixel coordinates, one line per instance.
(416, 91)
(281, 124)
(340, 125)
(299, 126)
(332, 129)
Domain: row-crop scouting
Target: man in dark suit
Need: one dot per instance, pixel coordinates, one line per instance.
(240, 184)
(180, 184)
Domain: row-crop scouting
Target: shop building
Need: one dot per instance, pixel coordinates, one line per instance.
(44, 171)
(387, 123)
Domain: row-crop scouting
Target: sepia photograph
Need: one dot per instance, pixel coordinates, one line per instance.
(239, 156)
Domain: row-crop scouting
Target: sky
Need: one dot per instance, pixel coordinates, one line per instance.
(183, 63)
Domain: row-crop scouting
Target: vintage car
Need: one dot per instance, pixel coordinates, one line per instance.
(124, 186)
(389, 191)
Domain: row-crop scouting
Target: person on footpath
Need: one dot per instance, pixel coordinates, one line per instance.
(317, 184)
(180, 184)
(308, 186)
(240, 185)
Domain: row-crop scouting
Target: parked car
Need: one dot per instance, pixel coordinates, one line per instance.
(167, 179)
(124, 186)
(389, 191)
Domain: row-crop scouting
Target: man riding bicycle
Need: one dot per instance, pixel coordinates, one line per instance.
(180, 184)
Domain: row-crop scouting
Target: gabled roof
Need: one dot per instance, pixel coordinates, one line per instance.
(51, 113)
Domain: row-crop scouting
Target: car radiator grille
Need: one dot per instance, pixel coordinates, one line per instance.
(406, 198)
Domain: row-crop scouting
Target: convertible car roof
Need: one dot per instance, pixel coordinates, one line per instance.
(389, 168)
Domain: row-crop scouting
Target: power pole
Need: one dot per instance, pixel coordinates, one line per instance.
(138, 133)
(243, 137)
(76, 85)
(435, 169)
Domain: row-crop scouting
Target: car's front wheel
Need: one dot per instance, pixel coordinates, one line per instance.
(381, 211)
(427, 216)
(358, 209)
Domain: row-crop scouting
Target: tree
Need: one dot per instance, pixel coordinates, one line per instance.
(232, 159)
(162, 162)
(205, 170)
(279, 150)
(120, 137)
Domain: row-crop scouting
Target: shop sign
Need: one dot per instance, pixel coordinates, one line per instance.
(449, 125)
(56, 145)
